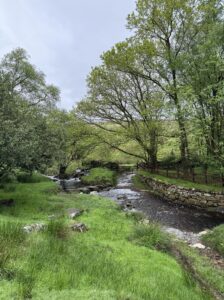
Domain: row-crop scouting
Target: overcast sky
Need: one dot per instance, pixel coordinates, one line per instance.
(64, 38)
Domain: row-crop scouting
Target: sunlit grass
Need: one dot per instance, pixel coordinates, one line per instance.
(103, 263)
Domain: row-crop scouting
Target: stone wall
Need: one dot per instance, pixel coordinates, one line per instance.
(211, 202)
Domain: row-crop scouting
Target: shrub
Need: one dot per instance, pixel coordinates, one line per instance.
(150, 236)
(57, 229)
(24, 177)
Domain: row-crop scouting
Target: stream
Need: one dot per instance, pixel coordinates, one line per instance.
(183, 222)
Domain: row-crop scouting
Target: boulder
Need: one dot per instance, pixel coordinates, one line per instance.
(34, 227)
(198, 246)
(73, 213)
(79, 227)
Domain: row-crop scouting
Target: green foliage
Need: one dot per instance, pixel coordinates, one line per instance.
(215, 239)
(100, 176)
(25, 103)
(72, 166)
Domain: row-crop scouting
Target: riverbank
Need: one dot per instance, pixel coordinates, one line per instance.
(104, 262)
(204, 197)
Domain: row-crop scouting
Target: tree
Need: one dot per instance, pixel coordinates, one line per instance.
(126, 108)
(25, 100)
(163, 32)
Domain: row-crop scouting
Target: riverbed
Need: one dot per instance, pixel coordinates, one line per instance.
(185, 223)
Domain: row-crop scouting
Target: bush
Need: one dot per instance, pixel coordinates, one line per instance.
(150, 236)
(57, 229)
(24, 177)
(100, 176)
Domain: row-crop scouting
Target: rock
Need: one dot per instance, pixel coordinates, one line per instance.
(145, 222)
(121, 197)
(94, 188)
(198, 246)
(129, 205)
(73, 213)
(94, 193)
(84, 190)
(34, 227)
(203, 233)
(79, 227)
(7, 202)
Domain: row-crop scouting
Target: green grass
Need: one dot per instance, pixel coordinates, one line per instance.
(24, 177)
(204, 268)
(103, 263)
(215, 239)
(150, 236)
(100, 176)
(181, 182)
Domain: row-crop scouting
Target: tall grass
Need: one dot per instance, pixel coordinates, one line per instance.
(215, 239)
(11, 237)
(150, 236)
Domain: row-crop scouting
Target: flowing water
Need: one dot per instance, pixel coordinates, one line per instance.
(185, 223)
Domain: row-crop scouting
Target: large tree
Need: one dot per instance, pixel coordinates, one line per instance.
(126, 108)
(164, 32)
(25, 100)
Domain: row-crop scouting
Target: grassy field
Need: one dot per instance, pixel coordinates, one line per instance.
(115, 259)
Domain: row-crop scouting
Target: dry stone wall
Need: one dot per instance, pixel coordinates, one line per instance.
(211, 202)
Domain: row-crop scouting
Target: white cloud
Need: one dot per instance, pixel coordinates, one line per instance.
(63, 37)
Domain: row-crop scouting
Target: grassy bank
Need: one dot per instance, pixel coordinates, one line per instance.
(114, 259)
(100, 176)
(182, 183)
(215, 239)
